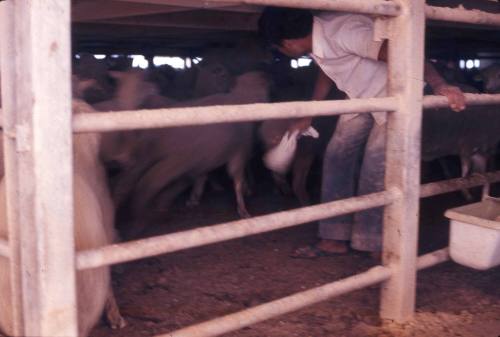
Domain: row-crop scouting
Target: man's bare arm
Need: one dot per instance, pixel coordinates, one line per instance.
(439, 86)
(322, 87)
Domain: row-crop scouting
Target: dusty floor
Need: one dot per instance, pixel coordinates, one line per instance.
(165, 293)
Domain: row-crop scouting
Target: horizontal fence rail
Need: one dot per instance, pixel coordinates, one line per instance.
(300, 300)
(232, 230)
(284, 305)
(472, 16)
(452, 185)
(376, 7)
(434, 258)
(471, 99)
(158, 118)
(168, 243)
(4, 248)
(379, 7)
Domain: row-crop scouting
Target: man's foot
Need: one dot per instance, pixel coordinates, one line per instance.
(334, 246)
(322, 248)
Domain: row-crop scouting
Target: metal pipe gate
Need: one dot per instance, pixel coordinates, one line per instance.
(38, 128)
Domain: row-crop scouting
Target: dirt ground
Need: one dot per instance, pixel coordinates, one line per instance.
(162, 294)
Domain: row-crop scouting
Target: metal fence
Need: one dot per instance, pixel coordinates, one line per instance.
(38, 154)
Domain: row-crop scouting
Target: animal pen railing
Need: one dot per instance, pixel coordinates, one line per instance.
(38, 125)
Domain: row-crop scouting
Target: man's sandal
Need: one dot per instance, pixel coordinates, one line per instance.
(311, 252)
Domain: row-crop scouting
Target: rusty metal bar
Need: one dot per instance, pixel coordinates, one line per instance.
(378, 7)
(472, 16)
(4, 248)
(158, 118)
(232, 230)
(442, 187)
(300, 300)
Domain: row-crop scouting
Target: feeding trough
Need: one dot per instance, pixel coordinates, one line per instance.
(475, 234)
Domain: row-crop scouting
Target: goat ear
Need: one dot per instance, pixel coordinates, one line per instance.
(117, 75)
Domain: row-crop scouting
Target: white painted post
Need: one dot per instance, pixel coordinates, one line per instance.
(406, 57)
(37, 107)
(7, 65)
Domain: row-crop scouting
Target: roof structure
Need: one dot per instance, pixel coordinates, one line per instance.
(186, 27)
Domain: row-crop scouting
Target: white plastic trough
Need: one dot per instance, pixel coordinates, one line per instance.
(475, 234)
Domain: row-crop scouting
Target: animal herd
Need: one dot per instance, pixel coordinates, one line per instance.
(126, 173)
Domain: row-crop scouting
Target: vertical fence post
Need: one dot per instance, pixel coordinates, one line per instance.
(406, 55)
(7, 65)
(37, 106)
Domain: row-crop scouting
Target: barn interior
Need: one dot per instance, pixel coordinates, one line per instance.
(186, 28)
(174, 38)
(168, 292)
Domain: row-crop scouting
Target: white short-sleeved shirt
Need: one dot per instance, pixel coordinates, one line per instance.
(344, 48)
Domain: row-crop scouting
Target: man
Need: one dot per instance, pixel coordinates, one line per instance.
(343, 47)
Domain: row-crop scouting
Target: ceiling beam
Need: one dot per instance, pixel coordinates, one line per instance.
(106, 32)
(85, 11)
(137, 39)
(198, 19)
(226, 6)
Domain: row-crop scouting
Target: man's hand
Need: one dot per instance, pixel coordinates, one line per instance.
(455, 96)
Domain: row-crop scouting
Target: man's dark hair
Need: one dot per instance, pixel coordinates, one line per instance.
(279, 23)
